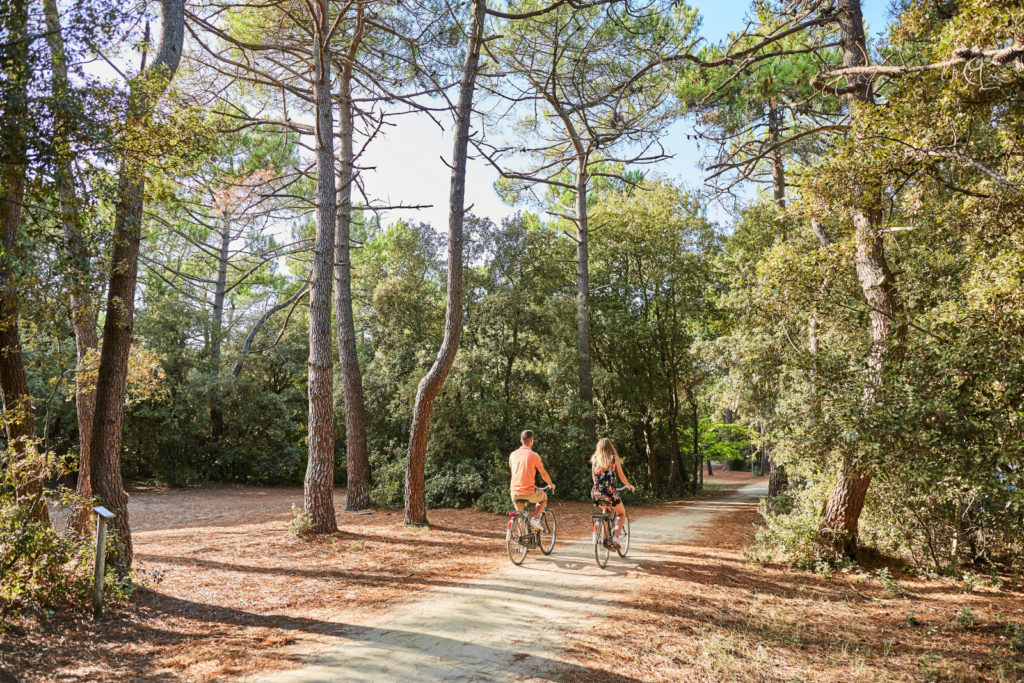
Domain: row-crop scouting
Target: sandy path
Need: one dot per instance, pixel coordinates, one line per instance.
(509, 625)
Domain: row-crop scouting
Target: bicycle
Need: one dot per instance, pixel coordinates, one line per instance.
(604, 522)
(520, 536)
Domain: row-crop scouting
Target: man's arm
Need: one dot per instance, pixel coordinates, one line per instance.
(544, 473)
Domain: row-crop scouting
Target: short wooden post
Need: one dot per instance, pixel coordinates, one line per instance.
(102, 515)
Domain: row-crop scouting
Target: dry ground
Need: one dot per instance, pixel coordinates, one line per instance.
(229, 591)
(705, 613)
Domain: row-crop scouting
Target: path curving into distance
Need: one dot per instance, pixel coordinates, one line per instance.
(509, 625)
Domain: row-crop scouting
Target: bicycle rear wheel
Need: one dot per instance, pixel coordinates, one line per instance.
(516, 550)
(600, 549)
(547, 533)
(624, 536)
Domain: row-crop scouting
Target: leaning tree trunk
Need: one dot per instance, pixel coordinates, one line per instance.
(17, 401)
(112, 378)
(83, 311)
(586, 379)
(319, 484)
(430, 385)
(838, 525)
(357, 490)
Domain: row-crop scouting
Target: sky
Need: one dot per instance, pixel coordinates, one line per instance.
(407, 164)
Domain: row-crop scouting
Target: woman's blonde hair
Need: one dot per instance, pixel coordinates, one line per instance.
(603, 454)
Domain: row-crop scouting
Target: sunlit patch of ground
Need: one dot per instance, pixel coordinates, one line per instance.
(704, 613)
(230, 592)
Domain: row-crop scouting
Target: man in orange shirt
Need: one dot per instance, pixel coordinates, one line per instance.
(525, 464)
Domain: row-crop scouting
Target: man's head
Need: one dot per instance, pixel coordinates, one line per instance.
(526, 437)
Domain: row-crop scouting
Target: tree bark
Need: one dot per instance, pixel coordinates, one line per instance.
(83, 308)
(217, 336)
(17, 401)
(319, 483)
(696, 442)
(586, 379)
(112, 378)
(778, 169)
(728, 465)
(430, 385)
(357, 490)
(652, 459)
(838, 525)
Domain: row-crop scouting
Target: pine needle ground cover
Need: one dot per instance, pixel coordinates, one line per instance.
(707, 612)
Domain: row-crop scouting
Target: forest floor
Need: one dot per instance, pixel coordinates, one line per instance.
(230, 593)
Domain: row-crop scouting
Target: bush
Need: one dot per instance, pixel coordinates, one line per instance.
(494, 500)
(39, 569)
(388, 476)
(791, 529)
(455, 488)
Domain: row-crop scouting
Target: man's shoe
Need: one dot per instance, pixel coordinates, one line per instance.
(535, 523)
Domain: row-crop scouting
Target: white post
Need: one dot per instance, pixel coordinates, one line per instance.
(102, 515)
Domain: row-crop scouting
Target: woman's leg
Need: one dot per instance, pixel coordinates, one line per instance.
(620, 516)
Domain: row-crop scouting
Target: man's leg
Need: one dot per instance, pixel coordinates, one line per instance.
(542, 502)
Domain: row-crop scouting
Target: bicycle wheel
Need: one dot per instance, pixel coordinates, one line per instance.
(600, 549)
(516, 550)
(547, 534)
(624, 537)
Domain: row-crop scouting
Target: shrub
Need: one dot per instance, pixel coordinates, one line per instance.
(454, 488)
(388, 477)
(39, 569)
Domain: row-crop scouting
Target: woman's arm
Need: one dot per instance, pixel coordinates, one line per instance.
(622, 475)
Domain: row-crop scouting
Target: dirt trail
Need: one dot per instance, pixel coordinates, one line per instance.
(509, 625)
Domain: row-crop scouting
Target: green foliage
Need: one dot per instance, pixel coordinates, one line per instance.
(454, 488)
(966, 618)
(40, 570)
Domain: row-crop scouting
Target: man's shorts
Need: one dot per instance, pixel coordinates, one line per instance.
(537, 496)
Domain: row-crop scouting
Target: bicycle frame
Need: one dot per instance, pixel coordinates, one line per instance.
(532, 537)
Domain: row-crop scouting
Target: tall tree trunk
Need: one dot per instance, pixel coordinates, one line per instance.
(319, 484)
(430, 385)
(679, 476)
(112, 378)
(728, 465)
(357, 492)
(652, 458)
(778, 169)
(838, 525)
(776, 473)
(696, 441)
(18, 416)
(586, 379)
(83, 309)
(217, 337)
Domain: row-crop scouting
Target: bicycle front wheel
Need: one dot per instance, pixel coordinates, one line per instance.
(547, 533)
(624, 536)
(600, 547)
(516, 550)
